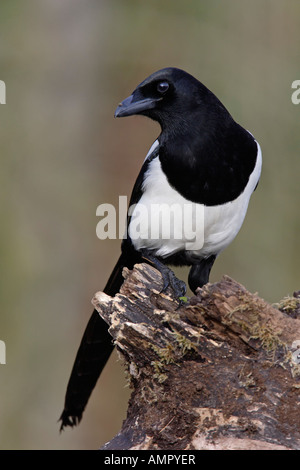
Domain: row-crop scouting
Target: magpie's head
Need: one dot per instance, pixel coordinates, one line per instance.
(168, 96)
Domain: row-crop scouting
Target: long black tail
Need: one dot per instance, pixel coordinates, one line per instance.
(93, 353)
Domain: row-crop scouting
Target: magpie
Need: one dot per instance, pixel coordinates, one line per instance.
(202, 157)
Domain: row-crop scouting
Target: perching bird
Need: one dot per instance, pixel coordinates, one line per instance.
(202, 159)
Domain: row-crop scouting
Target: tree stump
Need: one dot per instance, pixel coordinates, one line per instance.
(219, 371)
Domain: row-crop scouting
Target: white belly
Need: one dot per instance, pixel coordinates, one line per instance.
(203, 230)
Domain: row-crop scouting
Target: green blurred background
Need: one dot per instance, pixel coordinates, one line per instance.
(66, 65)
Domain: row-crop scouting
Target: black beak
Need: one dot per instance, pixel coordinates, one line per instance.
(131, 106)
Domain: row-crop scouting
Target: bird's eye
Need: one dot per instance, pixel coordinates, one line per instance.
(162, 87)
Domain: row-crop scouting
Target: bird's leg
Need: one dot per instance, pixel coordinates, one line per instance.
(199, 273)
(169, 278)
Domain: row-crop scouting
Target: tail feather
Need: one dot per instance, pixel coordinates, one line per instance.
(94, 351)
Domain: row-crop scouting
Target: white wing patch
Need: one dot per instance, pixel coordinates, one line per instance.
(152, 148)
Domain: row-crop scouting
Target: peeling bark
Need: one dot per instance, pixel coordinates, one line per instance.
(221, 371)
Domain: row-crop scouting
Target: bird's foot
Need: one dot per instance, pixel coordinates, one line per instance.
(168, 276)
(169, 279)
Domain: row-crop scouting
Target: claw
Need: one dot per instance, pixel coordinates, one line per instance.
(169, 278)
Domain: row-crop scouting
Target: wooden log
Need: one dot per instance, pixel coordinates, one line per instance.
(219, 371)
